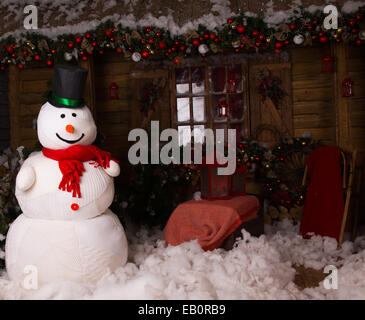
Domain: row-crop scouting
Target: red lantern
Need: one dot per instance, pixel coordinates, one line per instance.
(328, 64)
(347, 87)
(113, 91)
(214, 186)
(222, 109)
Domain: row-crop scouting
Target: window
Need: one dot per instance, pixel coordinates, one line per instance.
(200, 91)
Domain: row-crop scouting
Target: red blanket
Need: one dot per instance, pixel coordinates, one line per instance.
(323, 208)
(211, 222)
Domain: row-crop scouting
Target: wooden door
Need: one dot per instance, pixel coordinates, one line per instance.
(269, 123)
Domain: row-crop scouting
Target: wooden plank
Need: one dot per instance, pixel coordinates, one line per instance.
(114, 117)
(116, 68)
(314, 121)
(33, 74)
(307, 54)
(35, 86)
(357, 132)
(14, 104)
(318, 133)
(343, 124)
(26, 121)
(305, 68)
(356, 64)
(114, 105)
(27, 133)
(149, 75)
(31, 98)
(312, 82)
(313, 107)
(29, 109)
(122, 81)
(120, 130)
(104, 94)
(314, 94)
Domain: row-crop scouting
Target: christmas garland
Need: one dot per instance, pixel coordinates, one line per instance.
(240, 33)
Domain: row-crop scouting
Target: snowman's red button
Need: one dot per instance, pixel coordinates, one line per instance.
(74, 206)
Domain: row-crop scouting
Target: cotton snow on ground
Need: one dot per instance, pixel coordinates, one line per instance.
(256, 268)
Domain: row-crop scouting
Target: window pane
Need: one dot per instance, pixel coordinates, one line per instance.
(182, 80)
(197, 79)
(217, 100)
(236, 106)
(234, 79)
(218, 77)
(184, 135)
(183, 109)
(199, 108)
(198, 132)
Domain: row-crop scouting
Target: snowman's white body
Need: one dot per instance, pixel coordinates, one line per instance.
(46, 201)
(64, 237)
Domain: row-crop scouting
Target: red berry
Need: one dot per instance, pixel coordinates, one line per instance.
(216, 40)
(25, 53)
(261, 37)
(20, 66)
(119, 50)
(94, 44)
(74, 206)
(292, 26)
(108, 33)
(151, 40)
(87, 36)
(53, 51)
(206, 36)
(158, 34)
(84, 58)
(49, 63)
(323, 39)
(177, 42)
(145, 54)
(212, 36)
(182, 48)
(162, 45)
(70, 44)
(255, 33)
(278, 45)
(2, 68)
(358, 41)
(176, 60)
(241, 29)
(230, 20)
(9, 49)
(148, 29)
(196, 42)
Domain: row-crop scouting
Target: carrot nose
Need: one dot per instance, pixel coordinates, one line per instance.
(70, 128)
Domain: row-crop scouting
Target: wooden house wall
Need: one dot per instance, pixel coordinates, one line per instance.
(314, 108)
(4, 112)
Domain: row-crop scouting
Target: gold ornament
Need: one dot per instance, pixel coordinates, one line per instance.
(339, 30)
(191, 34)
(107, 45)
(268, 40)
(30, 45)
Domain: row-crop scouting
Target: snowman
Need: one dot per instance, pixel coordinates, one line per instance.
(66, 231)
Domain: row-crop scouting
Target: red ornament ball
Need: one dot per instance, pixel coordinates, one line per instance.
(240, 29)
(359, 16)
(88, 36)
(53, 51)
(323, 39)
(309, 27)
(143, 41)
(70, 44)
(182, 48)
(49, 63)
(78, 39)
(84, 58)
(177, 42)
(176, 60)
(212, 36)
(25, 53)
(162, 45)
(216, 40)
(94, 44)
(108, 33)
(206, 36)
(352, 22)
(255, 33)
(36, 57)
(261, 37)
(230, 20)
(9, 49)
(119, 50)
(358, 42)
(286, 42)
(278, 45)
(158, 33)
(20, 66)
(145, 54)
(196, 42)
(151, 40)
(148, 29)
(292, 26)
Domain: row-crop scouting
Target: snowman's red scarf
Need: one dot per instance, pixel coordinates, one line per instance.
(71, 160)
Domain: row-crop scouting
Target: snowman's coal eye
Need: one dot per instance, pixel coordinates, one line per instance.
(63, 115)
(74, 114)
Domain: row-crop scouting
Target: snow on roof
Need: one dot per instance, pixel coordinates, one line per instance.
(64, 16)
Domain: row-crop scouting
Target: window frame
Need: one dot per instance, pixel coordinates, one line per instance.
(208, 94)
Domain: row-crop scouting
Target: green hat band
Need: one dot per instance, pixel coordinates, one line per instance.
(67, 102)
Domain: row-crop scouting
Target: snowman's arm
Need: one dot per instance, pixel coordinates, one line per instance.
(113, 170)
(25, 178)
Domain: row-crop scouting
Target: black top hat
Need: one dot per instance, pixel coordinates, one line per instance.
(68, 86)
